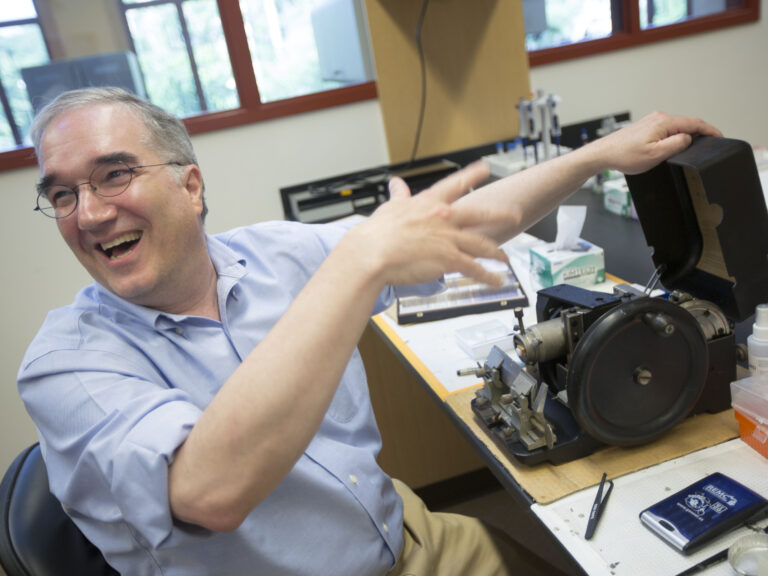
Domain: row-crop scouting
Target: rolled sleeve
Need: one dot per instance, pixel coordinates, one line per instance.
(109, 439)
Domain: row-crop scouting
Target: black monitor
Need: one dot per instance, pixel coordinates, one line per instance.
(118, 69)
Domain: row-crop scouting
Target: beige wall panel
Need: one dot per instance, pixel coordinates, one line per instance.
(476, 70)
(77, 28)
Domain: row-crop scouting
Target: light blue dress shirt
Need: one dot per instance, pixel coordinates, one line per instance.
(114, 389)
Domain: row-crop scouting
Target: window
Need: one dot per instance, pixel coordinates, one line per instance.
(215, 63)
(182, 50)
(551, 23)
(306, 46)
(182, 54)
(561, 29)
(665, 12)
(21, 46)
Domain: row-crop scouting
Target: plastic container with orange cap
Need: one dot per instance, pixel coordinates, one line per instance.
(749, 398)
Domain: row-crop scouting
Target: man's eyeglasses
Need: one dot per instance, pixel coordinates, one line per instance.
(107, 180)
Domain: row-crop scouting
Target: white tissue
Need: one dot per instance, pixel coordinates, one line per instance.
(570, 221)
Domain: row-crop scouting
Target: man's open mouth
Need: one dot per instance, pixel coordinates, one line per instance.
(120, 246)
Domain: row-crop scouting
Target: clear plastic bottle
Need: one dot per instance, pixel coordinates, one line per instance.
(757, 342)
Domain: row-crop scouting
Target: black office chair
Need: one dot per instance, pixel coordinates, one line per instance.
(36, 537)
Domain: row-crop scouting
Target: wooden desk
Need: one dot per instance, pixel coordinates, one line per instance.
(421, 444)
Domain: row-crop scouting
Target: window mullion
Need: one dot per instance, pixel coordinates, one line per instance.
(632, 16)
(39, 23)
(239, 53)
(17, 136)
(124, 19)
(191, 56)
(619, 22)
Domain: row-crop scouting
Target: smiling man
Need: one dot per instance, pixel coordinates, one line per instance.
(202, 407)
(157, 242)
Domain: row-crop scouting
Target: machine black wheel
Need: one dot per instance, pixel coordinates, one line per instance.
(637, 372)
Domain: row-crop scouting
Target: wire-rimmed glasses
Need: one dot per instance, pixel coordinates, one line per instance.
(108, 180)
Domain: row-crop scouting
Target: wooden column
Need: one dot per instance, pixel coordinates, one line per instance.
(476, 71)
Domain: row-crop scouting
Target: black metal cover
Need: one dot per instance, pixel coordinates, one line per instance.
(708, 200)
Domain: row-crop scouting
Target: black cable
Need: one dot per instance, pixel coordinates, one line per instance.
(420, 48)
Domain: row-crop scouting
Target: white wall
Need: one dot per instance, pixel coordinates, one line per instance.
(719, 76)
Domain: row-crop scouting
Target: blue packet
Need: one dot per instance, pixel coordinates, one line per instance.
(696, 514)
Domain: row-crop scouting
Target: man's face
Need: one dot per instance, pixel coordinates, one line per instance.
(144, 244)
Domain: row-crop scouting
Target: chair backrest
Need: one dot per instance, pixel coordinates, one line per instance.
(37, 538)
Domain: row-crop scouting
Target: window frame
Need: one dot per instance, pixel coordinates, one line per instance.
(252, 110)
(124, 9)
(628, 22)
(4, 101)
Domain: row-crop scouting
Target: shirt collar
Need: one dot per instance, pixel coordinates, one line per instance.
(225, 260)
(230, 267)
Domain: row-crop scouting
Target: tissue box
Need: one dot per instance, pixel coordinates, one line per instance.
(749, 398)
(617, 199)
(580, 266)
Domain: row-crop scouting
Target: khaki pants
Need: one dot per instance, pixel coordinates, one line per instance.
(438, 544)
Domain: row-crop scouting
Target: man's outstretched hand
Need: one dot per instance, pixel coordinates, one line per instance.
(416, 239)
(652, 139)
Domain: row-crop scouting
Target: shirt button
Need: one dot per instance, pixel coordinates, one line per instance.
(386, 528)
(179, 331)
(353, 478)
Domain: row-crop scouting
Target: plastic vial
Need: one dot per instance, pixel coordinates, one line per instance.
(757, 342)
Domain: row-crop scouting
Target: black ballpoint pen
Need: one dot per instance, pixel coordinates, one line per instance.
(597, 507)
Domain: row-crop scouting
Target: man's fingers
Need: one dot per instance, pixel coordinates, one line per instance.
(651, 140)
(398, 188)
(479, 246)
(447, 189)
(471, 268)
(457, 184)
(674, 144)
(471, 246)
(692, 125)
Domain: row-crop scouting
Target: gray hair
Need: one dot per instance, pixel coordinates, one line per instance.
(166, 134)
